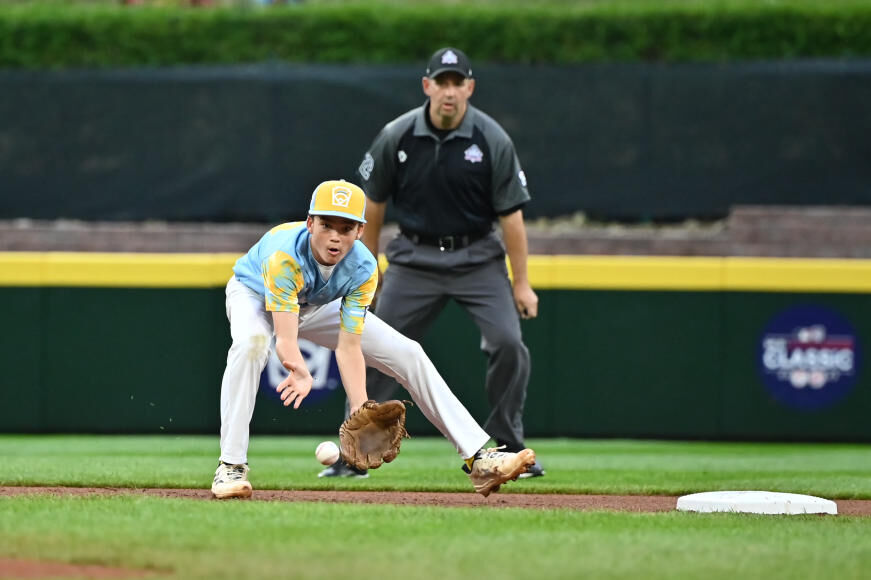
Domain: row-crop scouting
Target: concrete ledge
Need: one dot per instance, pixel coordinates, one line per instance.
(752, 231)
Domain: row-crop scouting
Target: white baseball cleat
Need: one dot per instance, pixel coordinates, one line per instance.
(231, 481)
(491, 468)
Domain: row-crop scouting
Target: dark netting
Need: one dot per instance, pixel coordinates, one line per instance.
(629, 142)
(637, 142)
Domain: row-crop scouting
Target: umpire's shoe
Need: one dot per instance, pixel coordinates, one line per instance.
(231, 481)
(342, 469)
(536, 470)
(491, 468)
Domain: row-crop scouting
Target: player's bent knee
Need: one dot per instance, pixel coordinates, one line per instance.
(409, 350)
(255, 347)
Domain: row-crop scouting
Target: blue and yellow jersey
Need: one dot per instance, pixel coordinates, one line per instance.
(282, 269)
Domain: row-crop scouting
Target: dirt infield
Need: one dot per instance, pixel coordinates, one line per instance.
(631, 503)
(18, 568)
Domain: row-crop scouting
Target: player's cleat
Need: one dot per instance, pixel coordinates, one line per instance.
(342, 469)
(491, 468)
(231, 481)
(536, 470)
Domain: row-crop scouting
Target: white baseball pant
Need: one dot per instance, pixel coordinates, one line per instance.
(383, 348)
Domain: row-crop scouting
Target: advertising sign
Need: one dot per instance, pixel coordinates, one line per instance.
(321, 364)
(809, 357)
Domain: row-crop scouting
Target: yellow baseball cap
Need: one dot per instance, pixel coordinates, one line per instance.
(339, 198)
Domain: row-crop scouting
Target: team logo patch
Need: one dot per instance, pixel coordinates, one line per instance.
(402, 156)
(522, 177)
(341, 196)
(450, 57)
(366, 167)
(809, 357)
(474, 154)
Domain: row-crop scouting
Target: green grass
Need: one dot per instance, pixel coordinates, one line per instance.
(569, 4)
(574, 466)
(194, 539)
(237, 539)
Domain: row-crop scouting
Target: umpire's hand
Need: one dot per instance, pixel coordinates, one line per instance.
(526, 301)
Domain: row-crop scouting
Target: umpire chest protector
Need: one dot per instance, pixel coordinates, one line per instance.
(453, 186)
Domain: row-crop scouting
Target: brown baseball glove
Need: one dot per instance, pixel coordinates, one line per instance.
(371, 436)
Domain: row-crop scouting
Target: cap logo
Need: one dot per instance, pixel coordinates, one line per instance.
(450, 57)
(341, 197)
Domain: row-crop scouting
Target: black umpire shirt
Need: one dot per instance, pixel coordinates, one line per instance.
(441, 187)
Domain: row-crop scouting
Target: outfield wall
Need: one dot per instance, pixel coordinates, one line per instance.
(714, 348)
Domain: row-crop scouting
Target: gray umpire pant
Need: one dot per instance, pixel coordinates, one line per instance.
(418, 284)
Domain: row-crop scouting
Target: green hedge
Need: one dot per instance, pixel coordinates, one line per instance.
(60, 36)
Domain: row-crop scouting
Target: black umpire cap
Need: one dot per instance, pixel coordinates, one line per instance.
(449, 60)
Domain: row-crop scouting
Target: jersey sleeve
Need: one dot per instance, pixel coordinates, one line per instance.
(282, 281)
(378, 165)
(352, 313)
(509, 180)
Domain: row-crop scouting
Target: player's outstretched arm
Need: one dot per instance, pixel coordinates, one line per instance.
(352, 367)
(297, 385)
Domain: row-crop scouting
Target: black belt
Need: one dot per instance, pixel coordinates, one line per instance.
(445, 243)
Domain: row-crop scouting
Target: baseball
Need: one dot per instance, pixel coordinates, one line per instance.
(327, 452)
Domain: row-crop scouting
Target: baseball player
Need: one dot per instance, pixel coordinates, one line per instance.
(316, 280)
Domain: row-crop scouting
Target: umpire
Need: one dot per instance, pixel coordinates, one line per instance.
(451, 172)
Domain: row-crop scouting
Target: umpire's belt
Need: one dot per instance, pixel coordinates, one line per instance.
(444, 243)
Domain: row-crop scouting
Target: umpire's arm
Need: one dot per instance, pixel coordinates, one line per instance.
(516, 245)
(374, 221)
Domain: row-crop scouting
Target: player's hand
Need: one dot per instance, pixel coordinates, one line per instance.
(526, 301)
(296, 386)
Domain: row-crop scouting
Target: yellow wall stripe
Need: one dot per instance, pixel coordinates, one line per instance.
(95, 269)
(78, 269)
(625, 272)
(797, 275)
